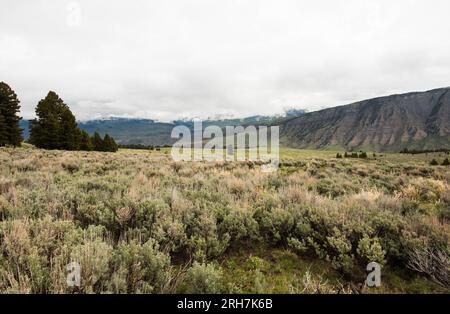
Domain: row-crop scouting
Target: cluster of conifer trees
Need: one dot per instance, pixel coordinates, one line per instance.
(424, 151)
(54, 128)
(353, 155)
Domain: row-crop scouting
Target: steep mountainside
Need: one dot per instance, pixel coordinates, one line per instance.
(413, 120)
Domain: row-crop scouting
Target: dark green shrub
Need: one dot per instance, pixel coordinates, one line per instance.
(204, 278)
(240, 225)
(370, 250)
(139, 268)
(275, 225)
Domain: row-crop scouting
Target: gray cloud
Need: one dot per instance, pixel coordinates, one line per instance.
(170, 59)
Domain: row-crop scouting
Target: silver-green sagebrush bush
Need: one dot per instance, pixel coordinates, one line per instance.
(204, 278)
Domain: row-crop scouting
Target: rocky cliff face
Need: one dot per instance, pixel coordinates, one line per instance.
(385, 123)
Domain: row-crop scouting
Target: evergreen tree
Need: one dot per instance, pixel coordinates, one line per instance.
(106, 143)
(9, 107)
(3, 135)
(45, 130)
(97, 142)
(55, 126)
(35, 131)
(114, 146)
(69, 135)
(85, 141)
(109, 145)
(446, 162)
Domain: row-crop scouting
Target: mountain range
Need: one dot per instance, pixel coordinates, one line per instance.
(417, 120)
(150, 132)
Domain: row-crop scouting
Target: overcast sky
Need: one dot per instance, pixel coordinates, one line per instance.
(185, 58)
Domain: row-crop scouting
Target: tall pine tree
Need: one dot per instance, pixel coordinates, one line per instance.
(109, 145)
(114, 146)
(97, 142)
(9, 107)
(3, 135)
(45, 129)
(85, 141)
(55, 126)
(69, 135)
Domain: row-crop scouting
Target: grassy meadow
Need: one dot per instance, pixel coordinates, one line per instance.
(138, 222)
